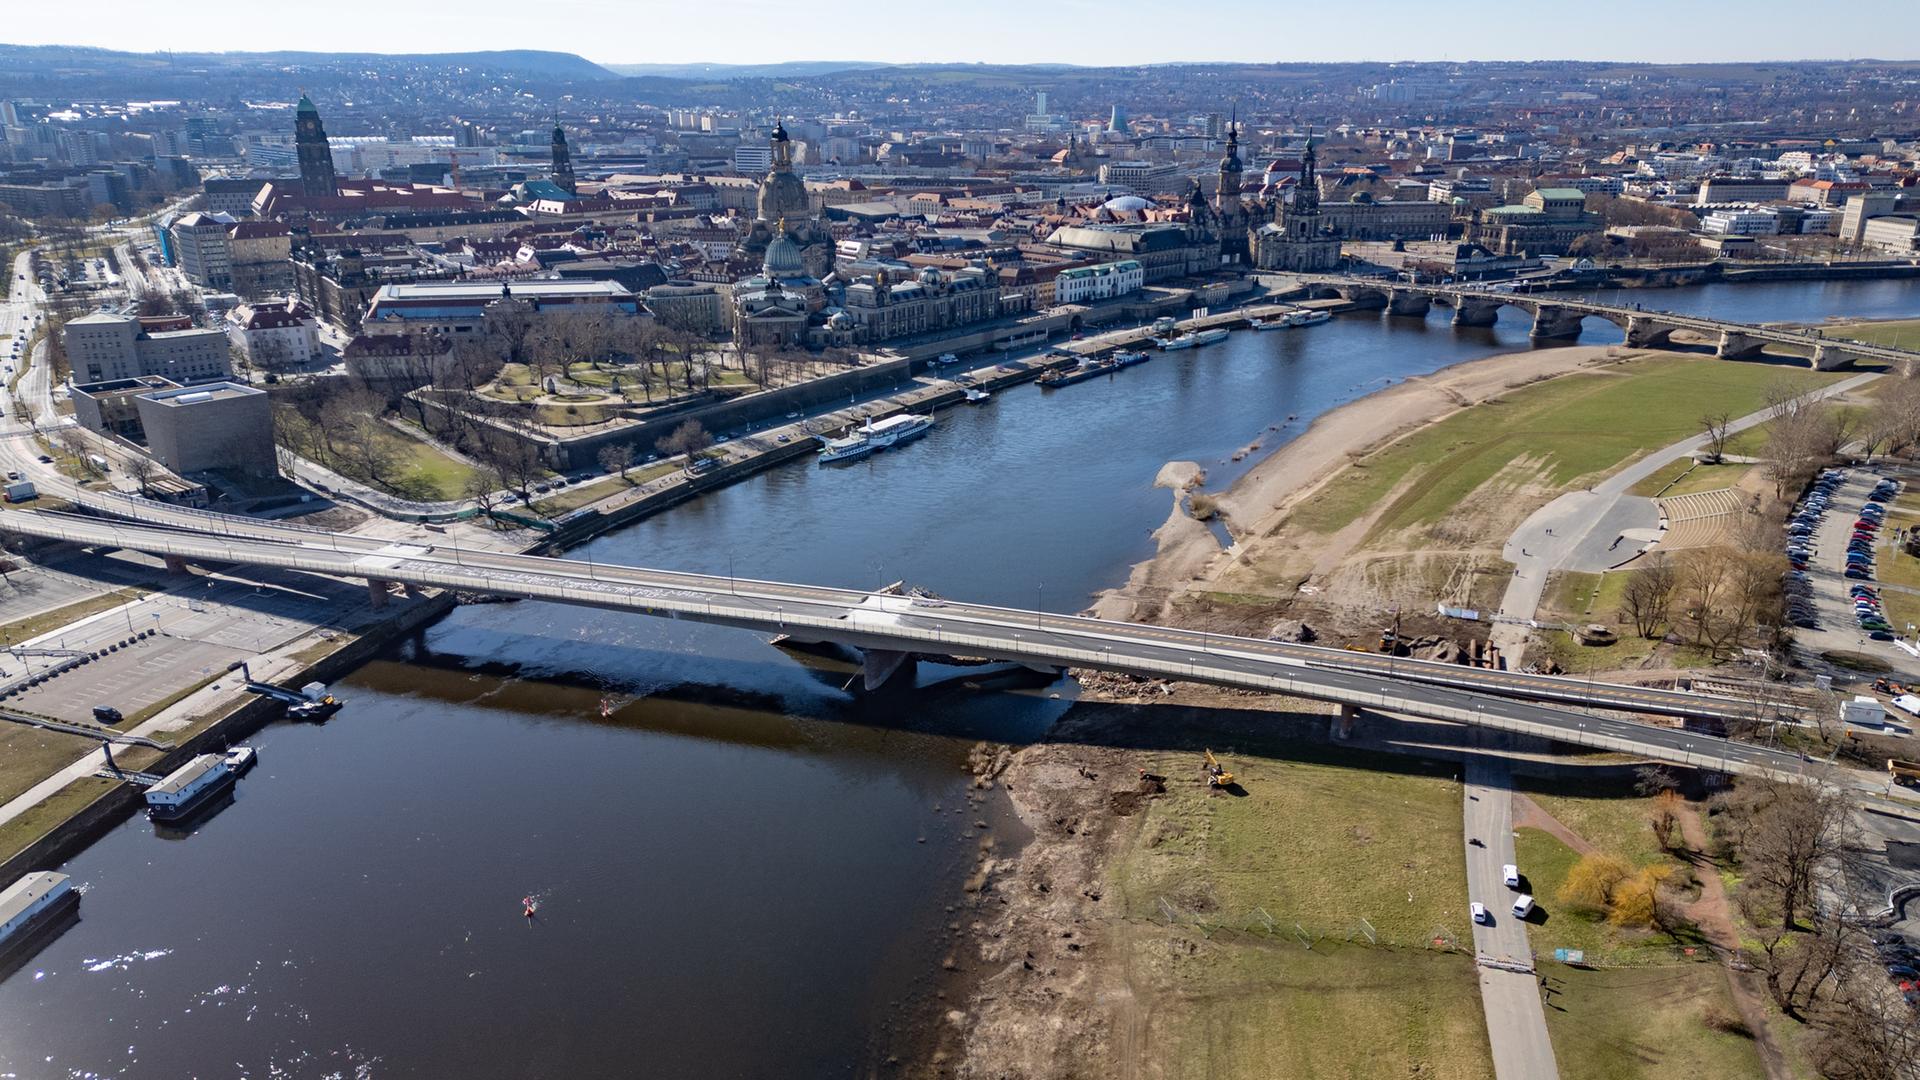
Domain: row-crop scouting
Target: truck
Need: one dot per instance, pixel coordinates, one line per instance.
(21, 491)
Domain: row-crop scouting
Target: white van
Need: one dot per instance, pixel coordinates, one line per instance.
(1511, 875)
(1522, 906)
(1480, 913)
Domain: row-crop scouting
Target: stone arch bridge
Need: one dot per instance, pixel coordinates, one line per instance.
(1562, 317)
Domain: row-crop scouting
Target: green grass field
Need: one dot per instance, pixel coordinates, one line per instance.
(32, 626)
(1899, 333)
(1579, 425)
(45, 814)
(1324, 835)
(1261, 1010)
(1391, 839)
(1645, 1023)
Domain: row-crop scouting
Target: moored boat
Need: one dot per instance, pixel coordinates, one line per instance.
(975, 395)
(1307, 317)
(34, 903)
(189, 788)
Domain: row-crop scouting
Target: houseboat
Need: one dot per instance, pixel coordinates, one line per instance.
(189, 788)
(31, 905)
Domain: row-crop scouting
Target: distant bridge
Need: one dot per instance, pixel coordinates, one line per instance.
(1560, 317)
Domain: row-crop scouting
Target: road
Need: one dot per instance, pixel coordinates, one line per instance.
(1510, 991)
(882, 623)
(1530, 687)
(1557, 534)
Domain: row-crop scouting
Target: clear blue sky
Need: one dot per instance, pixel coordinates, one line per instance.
(999, 31)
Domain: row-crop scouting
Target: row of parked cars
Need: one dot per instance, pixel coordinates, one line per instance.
(1903, 967)
(1867, 610)
(1866, 529)
(1798, 584)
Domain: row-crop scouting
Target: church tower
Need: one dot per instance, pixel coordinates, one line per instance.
(316, 158)
(1229, 207)
(562, 174)
(1298, 240)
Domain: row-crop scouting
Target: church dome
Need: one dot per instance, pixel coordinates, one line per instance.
(783, 256)
(1127, 204)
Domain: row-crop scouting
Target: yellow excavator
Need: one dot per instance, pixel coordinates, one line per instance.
(1217, 775)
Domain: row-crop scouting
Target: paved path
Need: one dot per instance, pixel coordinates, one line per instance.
(1558, 534)
(1516, 1021)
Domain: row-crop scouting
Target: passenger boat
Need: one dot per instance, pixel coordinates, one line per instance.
(848, 449)
(898, 429)
(946, 359)
(189, 788)
(1197, 338)
(1307, 317)
(30, 905)
(1128, 358)
(975, 395)
(1277, 322)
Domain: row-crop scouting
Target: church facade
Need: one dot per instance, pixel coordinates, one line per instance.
(1295, 237)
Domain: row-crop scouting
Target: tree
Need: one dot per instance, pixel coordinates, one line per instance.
(1717, 433)
(689, 439)
(484, 488)
(508, 322)
(616, 458)
(1635, 900)
(1648, 597)
(1665, 818)
(140, 469)
(1591, 882)
(1796, 835)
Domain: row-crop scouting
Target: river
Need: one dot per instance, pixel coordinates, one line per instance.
(742, 869)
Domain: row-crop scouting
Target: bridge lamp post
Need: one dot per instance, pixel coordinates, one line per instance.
(1039, 602)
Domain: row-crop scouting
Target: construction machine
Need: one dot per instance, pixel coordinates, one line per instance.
(1217, 775)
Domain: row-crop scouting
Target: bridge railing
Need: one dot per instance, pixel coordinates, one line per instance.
(1227, 670)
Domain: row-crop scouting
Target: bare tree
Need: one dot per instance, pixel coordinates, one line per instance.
(1797, 834)
(1647, 599)
(689, 439)
(140, 469)
(1717, 425)
(484, 488)
(616, 458)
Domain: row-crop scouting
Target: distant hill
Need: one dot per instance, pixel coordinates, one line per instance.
(787, 69)
(71, 59)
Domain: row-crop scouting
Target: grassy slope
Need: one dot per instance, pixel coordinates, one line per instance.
(1685, 480)
(1576, 426)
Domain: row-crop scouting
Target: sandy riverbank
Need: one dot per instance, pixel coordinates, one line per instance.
(1256, 504)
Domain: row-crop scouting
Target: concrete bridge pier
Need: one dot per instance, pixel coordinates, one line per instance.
(1830, 357)
(377, 592)
(1647, 334)
(878, 666)
(175, 564)
(1343, 721)
(1550, 321)
(1734, 345)
(1471, 312)
(1407, 302)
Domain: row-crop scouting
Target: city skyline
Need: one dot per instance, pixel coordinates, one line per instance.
(1079, 32)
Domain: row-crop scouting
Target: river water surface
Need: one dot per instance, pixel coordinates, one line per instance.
(741, 868)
